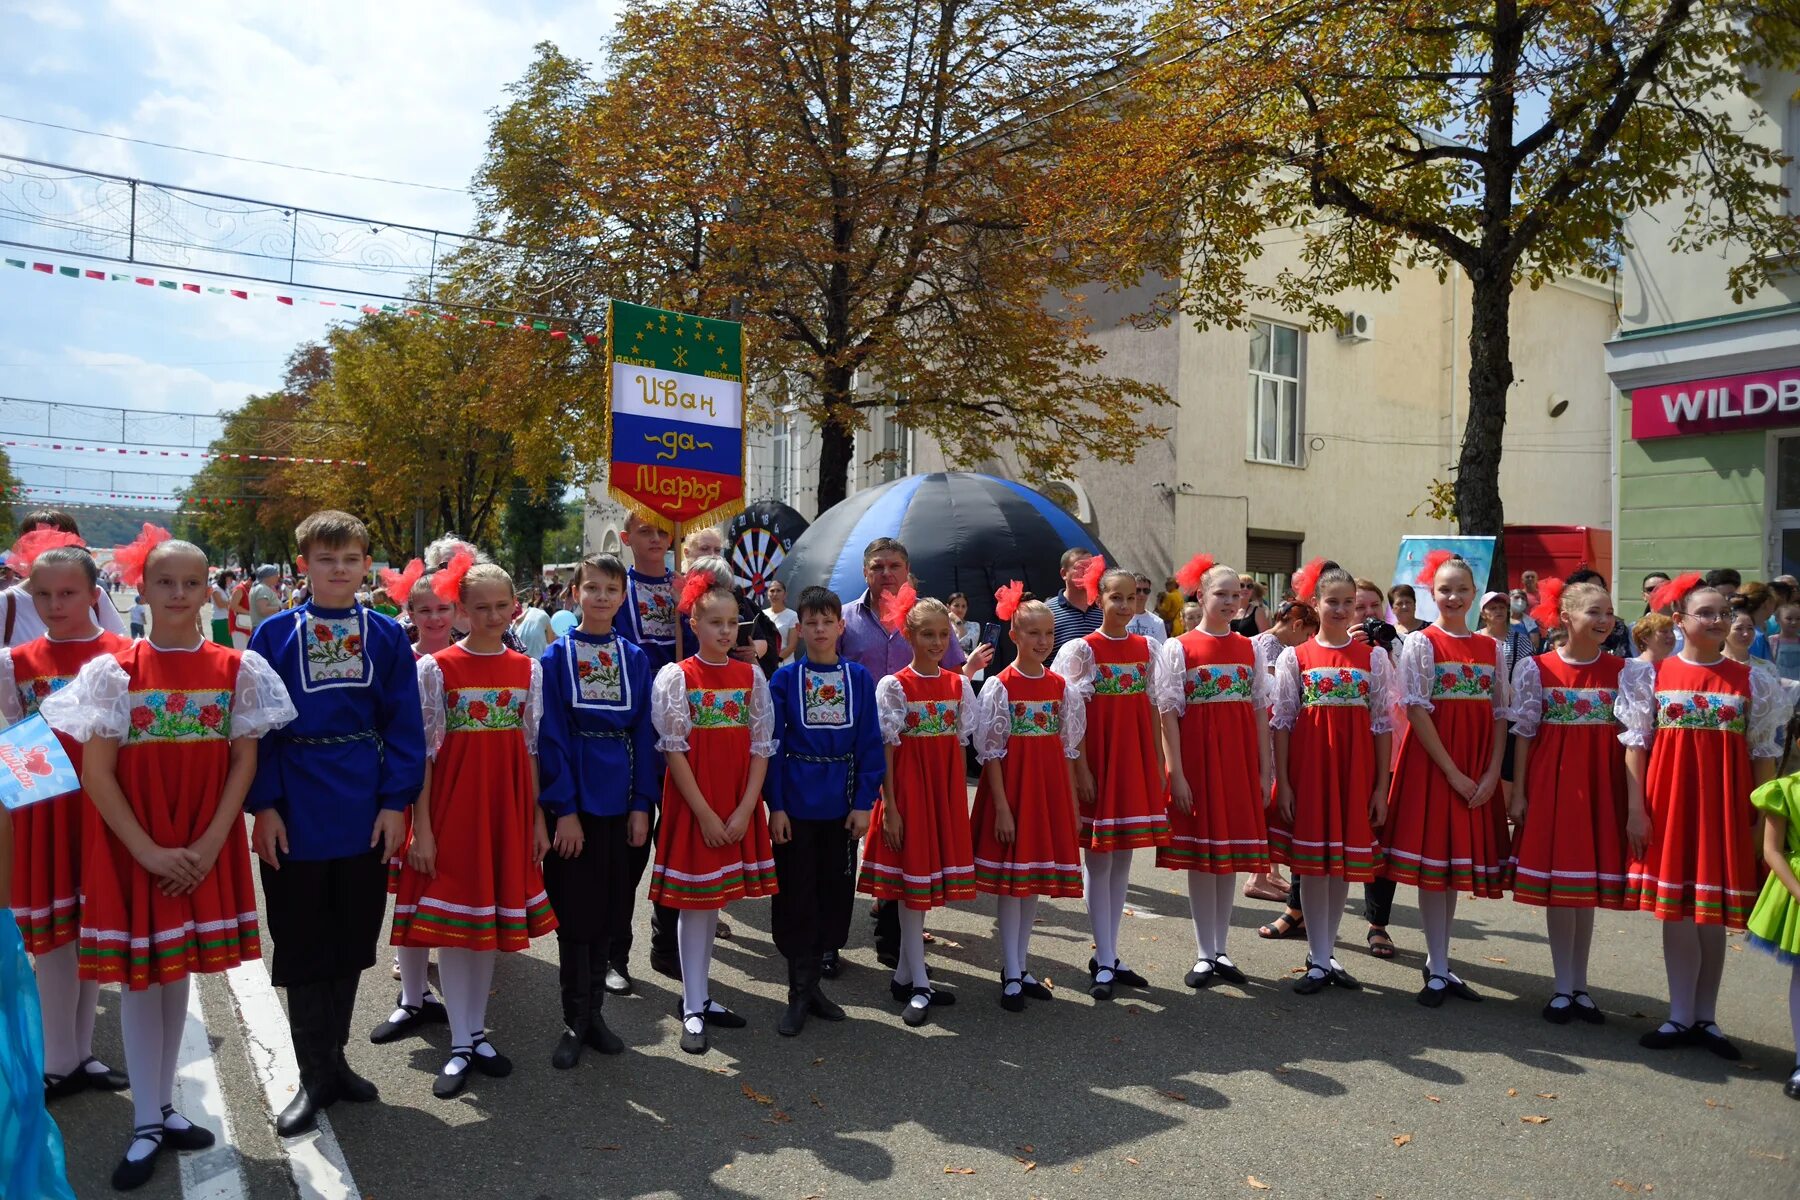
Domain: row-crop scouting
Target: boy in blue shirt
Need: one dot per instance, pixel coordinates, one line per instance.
(597, 770)
(329, 799)
(821, 786)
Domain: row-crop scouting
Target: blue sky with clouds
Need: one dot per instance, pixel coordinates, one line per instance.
(399, 89)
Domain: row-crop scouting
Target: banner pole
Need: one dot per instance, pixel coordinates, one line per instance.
(680, 576)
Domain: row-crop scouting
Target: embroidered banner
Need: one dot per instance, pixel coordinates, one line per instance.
(677, 447)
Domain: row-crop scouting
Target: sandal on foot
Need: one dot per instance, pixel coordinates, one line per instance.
(1383, 948)
(1287, 925)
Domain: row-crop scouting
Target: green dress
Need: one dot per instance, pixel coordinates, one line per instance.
(1774, 923)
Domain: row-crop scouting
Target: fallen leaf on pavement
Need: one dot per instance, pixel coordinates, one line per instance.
(1512, 1091)
(1492, 959)
(1711, 1103)
(959, 1170)
(1026, 1150)
(817, 1103)
(757, 1096)
(1256, 1183)
(817, 1061)
(1132, 1161)
(1176, 1096)
(608, 1148)
(1546, 1095)
(1770, 1155)
(1075, 1170)
(779, 1118)
(1749, 1066)
(1535, 1120)
(1434, 1099)
(1401, 1139)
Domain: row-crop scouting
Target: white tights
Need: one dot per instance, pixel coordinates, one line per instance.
(1437, 910)
(69, 1004)
(1322, 899)
(911, 971)
(694, 931)
(1571, 940)
(1108, 878)
(1694, 958)
(467, 976)
(152, 1020)
(415, 974)
(1017, 915)
(1794, 1011)
(1210, 899)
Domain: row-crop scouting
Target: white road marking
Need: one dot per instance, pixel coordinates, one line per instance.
(216, 1174)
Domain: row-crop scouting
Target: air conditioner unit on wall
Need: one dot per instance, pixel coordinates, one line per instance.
(1356, 327)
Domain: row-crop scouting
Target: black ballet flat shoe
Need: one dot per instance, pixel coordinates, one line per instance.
(902, 992)
(692, 1042)
(1709, 1035)
(1228, 972)
(1034, 990)
(1098, 988)
(1012, 1001)
(1126, 977)
(104, 1080)
(1341, 978)
(666, 962)
(193, 1137)
(1667, 1039)
(61, 1087)
(618, 982)
(1589, 1012)
(1199, 979)
(1463, 991)
(567, 1055)
(722, 932)
(431, 1012)
(1792, 1089)
(724, 1018)
(1560, 1014)
(600, 1037)
(495, 1065)
(916, 1015)
(132, 1174)
(830, 966)
(448, 1085)
(1315, 980)
(1433, 997)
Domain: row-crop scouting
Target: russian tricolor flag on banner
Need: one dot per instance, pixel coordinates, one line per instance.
(677, 454)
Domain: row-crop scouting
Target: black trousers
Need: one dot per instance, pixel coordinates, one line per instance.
(589, 891)
(662, 917)
(816, 871)
(324, 916)
(1378, 899)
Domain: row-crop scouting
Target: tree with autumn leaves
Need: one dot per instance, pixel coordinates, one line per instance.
(849, 179)
(1504, 139)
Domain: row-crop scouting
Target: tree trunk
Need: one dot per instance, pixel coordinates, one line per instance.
(837, 438)
(1479, 510)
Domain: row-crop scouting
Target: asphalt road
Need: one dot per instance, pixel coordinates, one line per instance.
(1161, 1093)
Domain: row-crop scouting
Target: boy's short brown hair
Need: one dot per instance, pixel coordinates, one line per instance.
(329, 528)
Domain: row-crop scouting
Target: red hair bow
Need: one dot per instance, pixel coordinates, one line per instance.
(130, 559)
(1675, 591)
(399, 584)
(1548, 613)
(1189, 577)
(694, 585)
(1091, 576)
(447, 581)
(1306, 579)
(896, 606)
(28, 547)
(1433, 561)
(1006, 600)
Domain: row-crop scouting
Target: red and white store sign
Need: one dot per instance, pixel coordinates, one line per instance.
(1722, 405)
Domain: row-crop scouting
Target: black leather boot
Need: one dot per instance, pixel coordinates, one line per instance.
(312, 1023)
(577, 985)
(351, 1086)
(817, 1002)
(799, 1003)
(599, 1037)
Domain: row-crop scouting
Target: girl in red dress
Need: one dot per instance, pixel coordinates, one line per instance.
(716, 727)
(1119, 779)
(1331, 722)
(1568, 800)
(473, 884)
(1699, 737)
(919, 849)
(1221, 771)
(1028, 731)
(168, 727)
(46, 858)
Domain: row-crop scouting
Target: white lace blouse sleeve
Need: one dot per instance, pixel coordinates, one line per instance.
(762, 717)
(1770, 707)
(534, 707)
(669, 709)
(993, 721)
(1527, 698)
(1635, 706)
(11, 711)
(1075, 663)
(1285, 708)
(890, 709)
(1418, 663)
(1502, 696)
(97, 702)
(1262, 688)
(431, 704)
(260, 702)
(1382, 686)
(966, 713)
(1168, 684)
(1074, 722)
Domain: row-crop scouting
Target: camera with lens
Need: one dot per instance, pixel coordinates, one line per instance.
(1380, 633)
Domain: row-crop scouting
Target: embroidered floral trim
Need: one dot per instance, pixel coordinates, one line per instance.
(825, 696)
(1120, 679)
(170, 716)
(484, 710)
(655, 610)
(1231, 683)
(33, 691)
(1462, 681)
(719, 708)
(333, 647)
(930, 718)
(1036, 718)
(598, 672)
(1721, 711)
(1579, 706)
(1335, 687)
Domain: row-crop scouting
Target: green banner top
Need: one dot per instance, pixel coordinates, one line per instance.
(672, 341)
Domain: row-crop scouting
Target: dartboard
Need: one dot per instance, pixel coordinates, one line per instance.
(754, 554)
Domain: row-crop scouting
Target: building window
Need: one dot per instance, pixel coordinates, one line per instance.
(781, 459)
(1272, 563)
(1793, 153)
(1275, 431)
(893, 445)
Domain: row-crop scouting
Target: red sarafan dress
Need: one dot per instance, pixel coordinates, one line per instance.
(721, 715)
(174, 713)
(481, 720)
(926, 718)
(1117, 679)
(1703, 724)
(1570, 850)
(399, 860)
(48, 837)
(1033, 726)
(1333, 701)
(1219, 682)
(1433, 839)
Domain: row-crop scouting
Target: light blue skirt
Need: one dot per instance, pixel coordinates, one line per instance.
(31, 1148)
